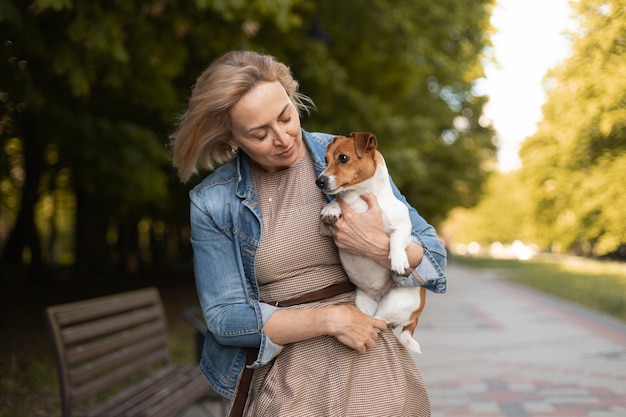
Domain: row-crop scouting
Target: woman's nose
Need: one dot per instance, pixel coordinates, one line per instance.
(281, 138)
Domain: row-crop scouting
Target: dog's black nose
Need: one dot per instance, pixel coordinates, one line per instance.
(321, 182)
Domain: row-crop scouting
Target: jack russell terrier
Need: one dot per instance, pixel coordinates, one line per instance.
(355, 167)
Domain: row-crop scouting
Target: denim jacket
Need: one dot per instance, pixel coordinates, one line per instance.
(225, 233)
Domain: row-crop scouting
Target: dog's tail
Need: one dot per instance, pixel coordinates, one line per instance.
(406, 338)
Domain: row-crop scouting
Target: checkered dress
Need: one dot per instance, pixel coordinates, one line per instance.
(320, 376)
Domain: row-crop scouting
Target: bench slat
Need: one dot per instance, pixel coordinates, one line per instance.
(172, 405)
(102, 346)
(130, 397)
(116, 360)
(104, 326)
(88, 310)
(169, 391)
(115, 378)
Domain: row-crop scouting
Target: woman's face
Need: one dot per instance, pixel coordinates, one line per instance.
(266, 126)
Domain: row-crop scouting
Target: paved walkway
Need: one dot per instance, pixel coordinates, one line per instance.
(495, 349)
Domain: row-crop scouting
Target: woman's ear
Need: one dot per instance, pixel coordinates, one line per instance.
(233, 146)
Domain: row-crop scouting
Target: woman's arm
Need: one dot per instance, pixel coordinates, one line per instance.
(347, 323)
(236, 319)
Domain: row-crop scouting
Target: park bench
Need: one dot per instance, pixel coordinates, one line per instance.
(113, 359)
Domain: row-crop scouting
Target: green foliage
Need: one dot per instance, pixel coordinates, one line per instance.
(569, 195)
(503, 214)
(103, 81)
(405, 73)
(576, 162)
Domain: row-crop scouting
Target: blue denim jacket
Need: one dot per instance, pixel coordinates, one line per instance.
(225, 233)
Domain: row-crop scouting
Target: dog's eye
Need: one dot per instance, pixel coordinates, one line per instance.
(343, 158)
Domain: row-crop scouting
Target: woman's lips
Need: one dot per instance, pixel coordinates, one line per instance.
(287, 153)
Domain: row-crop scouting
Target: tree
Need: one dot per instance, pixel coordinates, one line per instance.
(96, 79)
(502, 215)
(406, 72)
(91, 89)
(576, 162)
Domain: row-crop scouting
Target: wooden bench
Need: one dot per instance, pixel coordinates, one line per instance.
(113, 359)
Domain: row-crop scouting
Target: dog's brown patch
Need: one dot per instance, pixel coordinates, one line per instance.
(416, 314)
(352, 160)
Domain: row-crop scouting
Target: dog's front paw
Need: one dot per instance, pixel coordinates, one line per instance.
(331, 213)
(399, 264)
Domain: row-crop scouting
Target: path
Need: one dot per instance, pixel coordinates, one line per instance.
(495, 349)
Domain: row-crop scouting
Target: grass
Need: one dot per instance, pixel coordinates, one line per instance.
(599, 285)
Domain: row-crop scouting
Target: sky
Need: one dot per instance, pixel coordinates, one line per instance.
(529, 41)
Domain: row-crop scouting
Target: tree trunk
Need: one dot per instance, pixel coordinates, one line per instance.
(91, 254)
(24, 235)
(128, 244)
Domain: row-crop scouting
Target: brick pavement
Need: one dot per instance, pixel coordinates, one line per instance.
(495, 349)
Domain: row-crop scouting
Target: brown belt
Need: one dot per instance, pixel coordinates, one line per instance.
(241, 397)
(319, 295)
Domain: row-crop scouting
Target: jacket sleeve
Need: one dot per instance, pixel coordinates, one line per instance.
(230, 307)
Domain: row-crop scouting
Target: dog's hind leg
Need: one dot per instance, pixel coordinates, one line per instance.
(401, 307)
(365, 303)
(406, 335)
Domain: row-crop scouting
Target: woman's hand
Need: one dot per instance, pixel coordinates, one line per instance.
(362, 233)
(354, 328)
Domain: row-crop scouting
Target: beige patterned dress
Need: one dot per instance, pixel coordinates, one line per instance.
(320, 376)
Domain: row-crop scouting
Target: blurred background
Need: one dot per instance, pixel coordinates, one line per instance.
(90, 91)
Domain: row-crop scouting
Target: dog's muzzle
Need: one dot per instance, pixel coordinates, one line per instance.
(322, 182)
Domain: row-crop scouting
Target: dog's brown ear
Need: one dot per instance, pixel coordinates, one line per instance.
(363, 142)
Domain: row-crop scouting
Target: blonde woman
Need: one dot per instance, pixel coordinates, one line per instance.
(284, 337)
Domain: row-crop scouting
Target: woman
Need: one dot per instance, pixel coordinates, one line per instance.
(263, 269)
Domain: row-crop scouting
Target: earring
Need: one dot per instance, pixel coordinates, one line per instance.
(234, 152)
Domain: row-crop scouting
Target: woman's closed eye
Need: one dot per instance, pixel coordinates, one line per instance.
(261, 135)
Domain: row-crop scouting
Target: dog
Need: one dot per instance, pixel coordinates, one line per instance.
(356, 167)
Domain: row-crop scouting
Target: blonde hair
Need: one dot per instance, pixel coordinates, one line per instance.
(201, 139)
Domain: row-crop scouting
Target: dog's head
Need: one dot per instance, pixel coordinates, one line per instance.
(350, 161)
